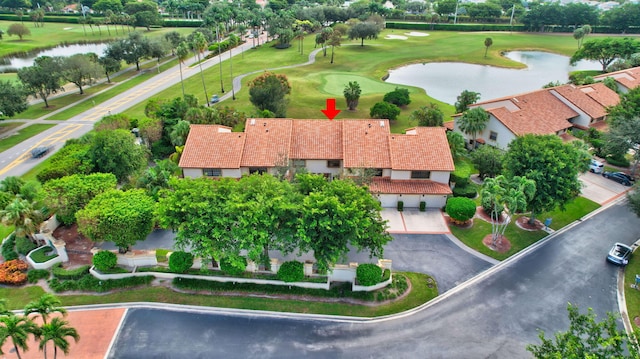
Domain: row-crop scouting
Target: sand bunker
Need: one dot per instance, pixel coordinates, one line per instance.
(67, 28)
(415, 33)
(396, 37)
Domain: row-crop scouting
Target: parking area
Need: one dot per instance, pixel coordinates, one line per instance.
(601, 190)
(413, 221)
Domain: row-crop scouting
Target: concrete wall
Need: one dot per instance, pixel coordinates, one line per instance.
(46, 265)
(130, 259)
(391, 200)
(320, 166)
(192, 172)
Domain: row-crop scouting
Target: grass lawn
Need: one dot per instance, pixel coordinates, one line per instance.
(13, 77)
(574, 210)
(6, 127)
(39, 110)
(419, 294)
(5, 231)
(24, 134)
(313, 84)
(631, 295)
(519, 238)
(52, 34)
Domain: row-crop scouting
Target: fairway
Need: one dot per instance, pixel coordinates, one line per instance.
(334, 83)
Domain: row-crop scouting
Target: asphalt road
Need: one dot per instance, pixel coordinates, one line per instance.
(494, 315)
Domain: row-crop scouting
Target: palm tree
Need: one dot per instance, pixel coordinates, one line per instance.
(57, 332)
(506, 195)
(182, 53)
(199, 44)
(45, 306)
(487, 43)
(18, 328)
(334, 41)
(11, 184)
(21, 214)
(352, 94)
(473, 121)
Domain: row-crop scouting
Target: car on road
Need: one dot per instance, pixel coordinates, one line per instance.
(619, 177)
(215, 99)
(619, 254)
(596, 167)
(40, 151)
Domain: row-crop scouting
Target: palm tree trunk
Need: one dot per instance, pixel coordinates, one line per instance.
(55, 351)
(181, 80)
(15, 347)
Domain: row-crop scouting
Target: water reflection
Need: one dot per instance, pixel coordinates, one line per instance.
(444, 81)
(68, 50)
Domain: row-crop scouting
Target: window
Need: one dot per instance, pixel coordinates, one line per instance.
(259, 170)
(333, 164)
(212, 172)
(298, 163)
(421, 174)
(377, 172)
(493, 136)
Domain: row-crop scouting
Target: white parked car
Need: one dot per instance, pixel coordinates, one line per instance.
(596, 167)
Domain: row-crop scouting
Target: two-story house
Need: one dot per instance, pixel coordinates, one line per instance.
(626, 80)
(410, 167)
(543, 112)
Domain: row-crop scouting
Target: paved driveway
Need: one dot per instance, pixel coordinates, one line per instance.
(601, 190)
(413, 221)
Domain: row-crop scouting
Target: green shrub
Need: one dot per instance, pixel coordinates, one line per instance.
(460, 209)
(618, 160)
(75, 273)
(233, 266)
(89, 283)
(368, 274)
(385, 110)
(8, 248)
(292, 271)
(180, 262)
(105, 260)
(161, 255)
(468, 191)
(36, 274)
(460, 181)
(386, 274)
(25, 245)
(398, 97)
(400, 206)
(423, 206)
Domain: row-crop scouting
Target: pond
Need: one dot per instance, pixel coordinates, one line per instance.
(444, 81)
(62, 50)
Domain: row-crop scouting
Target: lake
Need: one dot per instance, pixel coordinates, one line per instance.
(444, 81)
(61, 50)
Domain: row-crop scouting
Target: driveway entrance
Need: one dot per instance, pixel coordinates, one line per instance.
(413, 221)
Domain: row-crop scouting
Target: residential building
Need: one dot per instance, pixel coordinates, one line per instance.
(547, 111)
(411, 167)
(626, 80)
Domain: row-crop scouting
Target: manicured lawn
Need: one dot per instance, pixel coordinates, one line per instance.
(5, 231)
(419, 294)
(52, 34)
(6, 127)
(41, 256)
(632, 295)
(39, 110)
(574, 210)
(473, 236)
(313, 84)
(23, 135)
(13, 77)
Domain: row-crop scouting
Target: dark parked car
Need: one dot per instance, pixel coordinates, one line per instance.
(619, 177)
(619, 254)
(40, 151)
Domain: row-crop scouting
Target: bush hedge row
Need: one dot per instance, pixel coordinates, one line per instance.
(90, 283)
(35, 275)
(180, 262)
(105, 260)
(8, 248)
(292, 271)
(70, 274)
(368, 274)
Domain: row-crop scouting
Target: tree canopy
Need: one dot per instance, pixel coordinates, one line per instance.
(553, 165)
(119, 217)
(606, 50)
(268, 91)
(465, 99)
(116, 152)
(430, 115)
(13, 98)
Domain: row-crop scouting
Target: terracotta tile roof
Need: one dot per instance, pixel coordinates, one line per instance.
(316, 139)
(601, 94)
(366, 143)
(387, 185)
(582, 97)
(268, 141)
(422, 148)
(449, 125)
(212, 145)
(538, 112)
(629, 78)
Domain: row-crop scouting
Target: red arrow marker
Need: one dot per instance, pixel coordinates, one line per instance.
(331, 111)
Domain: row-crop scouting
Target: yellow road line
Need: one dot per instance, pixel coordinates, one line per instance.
(52, 138)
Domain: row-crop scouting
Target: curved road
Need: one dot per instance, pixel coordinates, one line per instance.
(494, 315)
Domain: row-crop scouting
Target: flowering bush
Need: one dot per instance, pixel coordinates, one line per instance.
(13, 272)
